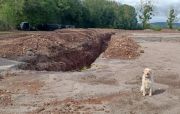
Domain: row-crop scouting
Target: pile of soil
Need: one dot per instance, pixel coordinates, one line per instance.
(60, 50)
(122, 48)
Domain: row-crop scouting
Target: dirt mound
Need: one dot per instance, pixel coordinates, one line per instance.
(123, 48)
(61, 50)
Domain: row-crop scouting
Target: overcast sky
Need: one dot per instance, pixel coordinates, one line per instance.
(161, 8)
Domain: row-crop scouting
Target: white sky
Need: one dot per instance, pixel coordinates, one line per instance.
(161, 8)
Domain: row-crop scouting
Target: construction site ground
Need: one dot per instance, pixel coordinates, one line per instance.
(107, 86)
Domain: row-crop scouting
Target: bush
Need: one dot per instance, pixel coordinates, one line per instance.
(4, 26)
(139, 27)
(178, 29)
(156, 28)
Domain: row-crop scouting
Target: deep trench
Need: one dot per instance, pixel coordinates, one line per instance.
(69, 59)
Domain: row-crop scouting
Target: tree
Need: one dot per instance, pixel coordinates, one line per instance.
(129, 20)
(70, 11)
(111, 14)
(37, 11)
(96, 9)
(171, 18)
(146, 13)
(10, 13)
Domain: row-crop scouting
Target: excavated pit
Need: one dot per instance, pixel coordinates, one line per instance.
(61, 50)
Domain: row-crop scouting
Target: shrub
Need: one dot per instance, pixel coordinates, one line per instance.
(156, 28)
(4, 26)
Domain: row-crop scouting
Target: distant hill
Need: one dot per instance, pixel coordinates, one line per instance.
(164, 24)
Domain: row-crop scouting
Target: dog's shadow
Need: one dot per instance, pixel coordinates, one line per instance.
(159, 91)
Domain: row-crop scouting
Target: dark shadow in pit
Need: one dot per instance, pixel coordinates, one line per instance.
(159, 91)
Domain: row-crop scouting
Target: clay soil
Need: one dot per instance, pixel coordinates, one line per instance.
(109, 86)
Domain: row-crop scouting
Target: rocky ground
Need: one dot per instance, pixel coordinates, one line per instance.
(110, 86)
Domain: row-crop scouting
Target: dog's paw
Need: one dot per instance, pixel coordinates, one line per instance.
(150, 94)
(141, 89)
(144, 94)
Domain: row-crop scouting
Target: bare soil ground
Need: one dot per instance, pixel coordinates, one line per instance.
(110, 86)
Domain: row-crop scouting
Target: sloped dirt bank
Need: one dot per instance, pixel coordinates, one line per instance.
(61, 50)
(122, 47)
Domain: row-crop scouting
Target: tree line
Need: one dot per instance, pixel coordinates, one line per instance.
(81, 13)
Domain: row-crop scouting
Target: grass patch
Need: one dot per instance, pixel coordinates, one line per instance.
(156, 28)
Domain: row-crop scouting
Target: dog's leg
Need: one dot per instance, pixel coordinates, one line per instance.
(142, 86)
(144, 92)
(141, 89)
(150, 92)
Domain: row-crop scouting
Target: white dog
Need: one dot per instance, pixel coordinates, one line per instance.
(147, 82)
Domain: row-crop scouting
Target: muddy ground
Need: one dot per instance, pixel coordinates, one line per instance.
(110, 86)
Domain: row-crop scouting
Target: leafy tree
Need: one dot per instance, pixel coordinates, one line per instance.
(129, 20)
(95, 8)
(111, 14)
(37, 11)
(146, 13)
(70, 11)
(171, 18)
(10, 13)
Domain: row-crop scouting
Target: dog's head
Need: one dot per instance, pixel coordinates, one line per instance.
(147, 72)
